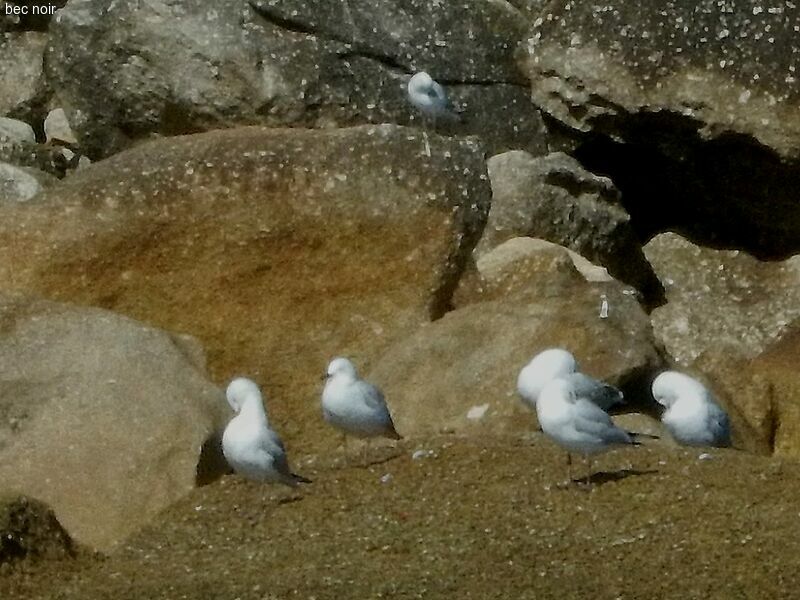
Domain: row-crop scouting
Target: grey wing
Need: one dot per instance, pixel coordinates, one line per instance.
(372, 397)
(272, 445)
(603, 395)
(590, 419)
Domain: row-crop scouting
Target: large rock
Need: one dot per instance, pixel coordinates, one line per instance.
(29, 530)
(23, 91)
(763, 391)
(279, 249)
(459, 373)
(103, 418)
(555, 199)
(693, 108)
(720, 298)
(20, 184)
(181, 67)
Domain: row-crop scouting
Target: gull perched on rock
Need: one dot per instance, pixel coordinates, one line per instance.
(354, 406)
(249, 444)
(430, 98)
(575, 423)
(692, 415)
(556, 363)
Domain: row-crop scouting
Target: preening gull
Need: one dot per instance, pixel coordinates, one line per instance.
(430, 98)
(249, 444)
(354, 406)
(692, 415)
(575, 423)
(556, 363)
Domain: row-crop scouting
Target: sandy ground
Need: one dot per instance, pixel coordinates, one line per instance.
(470, 521)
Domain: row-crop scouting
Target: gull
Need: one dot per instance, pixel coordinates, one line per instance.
(575, 423)
(430, 98)
(249, 444)
(692, 415)
(354, 406)
(555, 363)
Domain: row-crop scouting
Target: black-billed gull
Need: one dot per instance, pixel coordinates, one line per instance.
(692, 415)
(354, 406)
(557, 363)
(249, 444)
(575, 423)
(430, 98)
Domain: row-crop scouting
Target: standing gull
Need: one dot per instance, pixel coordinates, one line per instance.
(575, 423)
(556, 363)
(354, 406)
(430, 98)
(250, 445)
(692, 415)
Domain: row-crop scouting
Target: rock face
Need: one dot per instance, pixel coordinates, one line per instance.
(23, 92)
(694, 110)
(279, 249)
(764, 392)
(182, 67)
(13, 131)
(103, 418)
(720, 298)
(30, 530)
(555, 199)
(460, 372)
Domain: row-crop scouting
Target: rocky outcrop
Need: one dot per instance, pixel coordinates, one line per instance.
(23, 91)
(720, 298)
(172, 68)
(278, 249)
(763, 392)
(555, 199)
(459, 373)
(693, 109)
(101, 417)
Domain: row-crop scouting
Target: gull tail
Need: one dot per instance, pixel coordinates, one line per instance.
(391, 433)
(637, 437)
(296, 479)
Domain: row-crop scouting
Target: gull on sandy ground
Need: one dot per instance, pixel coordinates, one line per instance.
(430, 98)
(249, 444)
(576, 424)
(354, 406)
(557, 363)
(692, 415)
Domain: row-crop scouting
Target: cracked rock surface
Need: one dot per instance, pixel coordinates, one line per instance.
(170, 68)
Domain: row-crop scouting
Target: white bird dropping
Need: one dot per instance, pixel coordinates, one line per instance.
(575, 423)
(249, 444)
(555, 363)
(692, 415)
(354, 406)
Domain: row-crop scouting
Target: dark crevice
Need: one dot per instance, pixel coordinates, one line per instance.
(728, 192)
(387, 61)
(291, 25)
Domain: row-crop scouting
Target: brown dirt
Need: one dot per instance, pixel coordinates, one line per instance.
(474, 521)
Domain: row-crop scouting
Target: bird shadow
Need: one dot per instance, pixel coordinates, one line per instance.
(603, 477)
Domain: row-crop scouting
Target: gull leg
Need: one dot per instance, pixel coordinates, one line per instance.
(569, 467)
(344, 445)
(366, 448)
(427, 144)
(588, 469)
